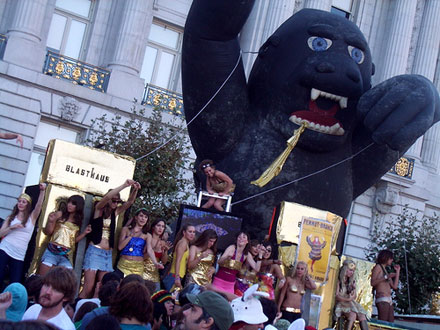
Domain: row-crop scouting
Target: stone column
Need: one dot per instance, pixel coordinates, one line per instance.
(265, 18)
(318, 4)
(24, 36)
(425, 63)
(137, 16)
(131, 36)
(396, 55)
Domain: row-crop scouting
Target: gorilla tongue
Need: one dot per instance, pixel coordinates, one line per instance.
(317, 115)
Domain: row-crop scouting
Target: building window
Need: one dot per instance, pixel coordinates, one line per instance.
(161, 60)
(342, 8)
(46, 132)
(68, 28)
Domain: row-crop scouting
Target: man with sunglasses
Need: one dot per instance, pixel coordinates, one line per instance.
(208, 310)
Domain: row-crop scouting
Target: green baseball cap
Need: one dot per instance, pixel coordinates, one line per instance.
(216, 306)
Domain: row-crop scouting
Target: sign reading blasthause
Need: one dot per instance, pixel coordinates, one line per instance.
(87, 169)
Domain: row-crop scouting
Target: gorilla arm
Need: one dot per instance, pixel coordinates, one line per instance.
(209, 54)
(394, 115)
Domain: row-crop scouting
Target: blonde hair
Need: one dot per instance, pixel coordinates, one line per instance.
(306, 273)
(345, 285)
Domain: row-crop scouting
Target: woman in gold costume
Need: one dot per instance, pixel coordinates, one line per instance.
(201, 258)
(132, 244)
(63, 228)
(346, 303)
(156, 253)
(98, 257)
(180, 257)
(247, 276)
(270, 271)
(216, 182)
(289, 301)
(231, 262)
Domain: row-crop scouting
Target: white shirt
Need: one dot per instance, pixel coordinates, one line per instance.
(15, 243)
(61, 320)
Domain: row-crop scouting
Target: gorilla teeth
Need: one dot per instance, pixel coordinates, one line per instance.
(336, 129)
(315, 93)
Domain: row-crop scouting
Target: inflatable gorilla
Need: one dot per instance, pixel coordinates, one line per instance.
(316, 67)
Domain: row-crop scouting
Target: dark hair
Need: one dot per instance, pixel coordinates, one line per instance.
(254, 242)
(154, 223)
(270, 309)
(26, 325)
(179, 234)
(205, 317)
(203, 239)
(274, 253)
(33, 285)
(132, 301)
(246, 248)
(133, 221)
(131, 278)
(104, 322)
(107, 210)
(83, 310)
(384, 256)
(106, 292)
(63, 280)
(151, 286)
(78, 201)
(112, 276)
(206, 163)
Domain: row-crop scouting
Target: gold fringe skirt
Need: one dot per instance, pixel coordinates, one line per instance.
(150, 273)
(130, 266)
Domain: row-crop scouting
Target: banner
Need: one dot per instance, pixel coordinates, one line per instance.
(314, 246)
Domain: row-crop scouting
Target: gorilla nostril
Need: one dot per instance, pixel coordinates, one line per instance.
(325, 67)
(354, 76)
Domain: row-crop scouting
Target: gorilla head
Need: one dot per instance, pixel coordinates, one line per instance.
(314, 67)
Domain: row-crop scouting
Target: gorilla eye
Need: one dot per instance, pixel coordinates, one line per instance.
(356, 54)
(319, 44)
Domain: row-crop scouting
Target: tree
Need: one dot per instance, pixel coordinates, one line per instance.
(420, 237)
(161, 174)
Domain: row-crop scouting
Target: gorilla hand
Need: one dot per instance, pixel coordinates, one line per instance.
(399, 110)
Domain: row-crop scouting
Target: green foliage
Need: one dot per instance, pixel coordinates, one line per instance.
(420, 237)
(160, 174)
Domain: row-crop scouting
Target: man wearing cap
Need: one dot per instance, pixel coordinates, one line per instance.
(208, 310)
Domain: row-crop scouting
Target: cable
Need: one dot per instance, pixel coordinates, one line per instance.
(198, 113)
(304, 177)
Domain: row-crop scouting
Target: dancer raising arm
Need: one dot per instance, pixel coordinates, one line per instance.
(17, 231)
(98, 258)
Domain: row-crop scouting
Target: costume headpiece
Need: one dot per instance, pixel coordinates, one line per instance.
(26, 197)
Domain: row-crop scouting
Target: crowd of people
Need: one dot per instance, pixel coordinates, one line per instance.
(157, 284)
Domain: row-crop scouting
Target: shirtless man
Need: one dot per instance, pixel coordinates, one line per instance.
(383, 282)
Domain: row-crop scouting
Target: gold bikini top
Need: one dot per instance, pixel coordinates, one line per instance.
(232, 264)
(64, 234)
(106, 228)
(294, 289)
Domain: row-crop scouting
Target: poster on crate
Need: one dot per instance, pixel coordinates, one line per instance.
(315, 246)
(225, 224)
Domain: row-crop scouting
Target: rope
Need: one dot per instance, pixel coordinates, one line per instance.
(198, 113)
(304, 177)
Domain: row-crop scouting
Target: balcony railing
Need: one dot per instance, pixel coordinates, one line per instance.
(79, 73)
(3, 41)
(404, 167)
(166, 100)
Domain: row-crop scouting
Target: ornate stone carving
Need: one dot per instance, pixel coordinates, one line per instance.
(383, 201)
(69, 108)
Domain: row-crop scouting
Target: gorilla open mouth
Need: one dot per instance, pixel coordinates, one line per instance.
(322, 108)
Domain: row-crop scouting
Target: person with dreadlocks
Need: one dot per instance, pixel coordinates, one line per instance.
(16, 232)
(346, 297)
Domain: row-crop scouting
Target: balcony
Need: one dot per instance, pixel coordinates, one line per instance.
(79, 73)
(3, 41)
(165, 99)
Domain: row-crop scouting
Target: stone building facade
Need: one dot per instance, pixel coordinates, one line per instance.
(66, 62)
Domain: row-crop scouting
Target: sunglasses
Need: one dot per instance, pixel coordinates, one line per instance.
(116, 201)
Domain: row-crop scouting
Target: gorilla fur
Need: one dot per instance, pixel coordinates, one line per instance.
(247, 124)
